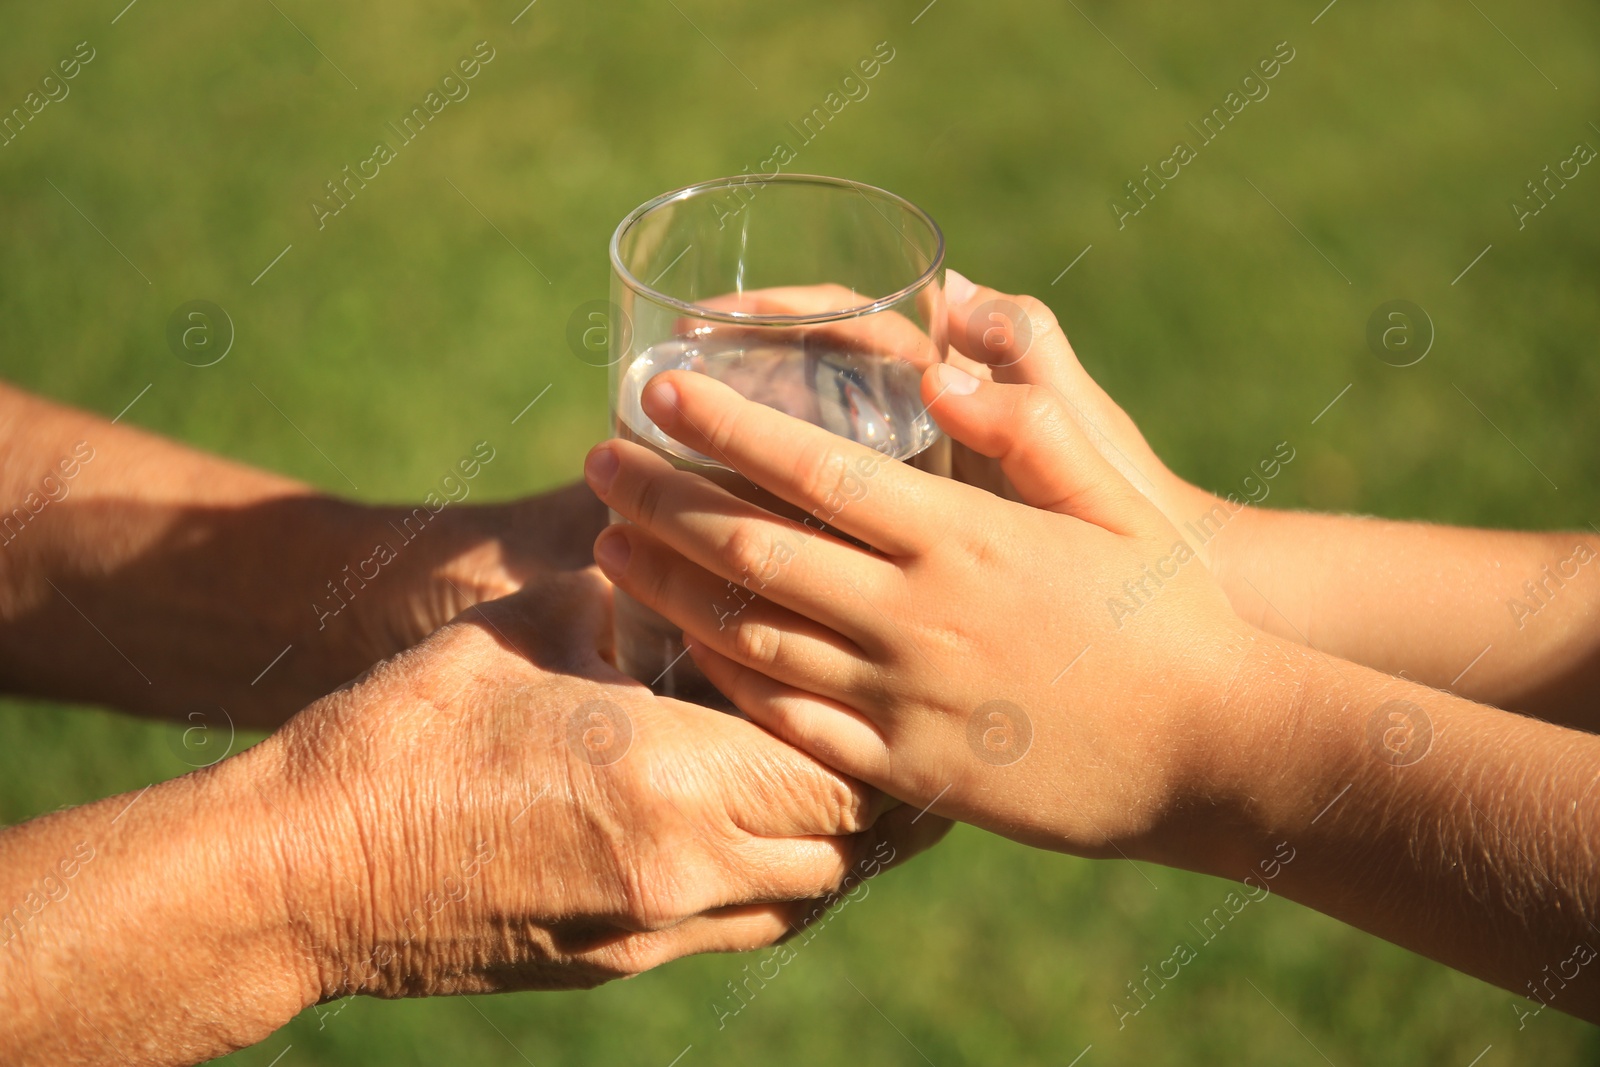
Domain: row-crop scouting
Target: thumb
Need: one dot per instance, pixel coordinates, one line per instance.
(1021, 342)
(1016, 337)
(1040, 447)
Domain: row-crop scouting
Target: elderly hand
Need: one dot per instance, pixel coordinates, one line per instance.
(493, 809)
(499, 809)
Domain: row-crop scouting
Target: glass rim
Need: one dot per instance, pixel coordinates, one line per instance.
(748, 318)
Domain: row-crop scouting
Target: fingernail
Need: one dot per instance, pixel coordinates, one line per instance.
(957, 290)
(957, 381)
(600, 468)
(660, 400)
(611, 552)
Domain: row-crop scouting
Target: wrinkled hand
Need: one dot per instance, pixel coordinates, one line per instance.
(930, 663)
(467, 554)
(356, 583)
(497, 808)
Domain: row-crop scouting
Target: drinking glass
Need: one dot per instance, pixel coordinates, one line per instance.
(821, 297)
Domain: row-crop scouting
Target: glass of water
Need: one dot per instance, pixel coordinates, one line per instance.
(818, 296)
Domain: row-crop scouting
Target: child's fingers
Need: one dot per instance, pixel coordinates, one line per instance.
(1017, 337)
(887, 333)
(1039, 446)
(799, 567)
(1022, 343)
(728, 616)
(847, 485)
(830, 732)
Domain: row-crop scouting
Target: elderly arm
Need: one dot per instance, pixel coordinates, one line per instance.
(141, 574)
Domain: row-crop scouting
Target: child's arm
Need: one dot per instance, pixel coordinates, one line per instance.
(1510, 619)
(1068, 675)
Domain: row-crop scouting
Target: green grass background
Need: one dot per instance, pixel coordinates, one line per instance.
(409, 328)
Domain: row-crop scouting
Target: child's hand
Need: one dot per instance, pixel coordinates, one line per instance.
(1048, 672)
(1017, 340)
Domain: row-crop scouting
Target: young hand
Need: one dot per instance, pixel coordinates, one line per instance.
(1180, 735)
(1044, 671)
(1016, 339)
(1471, 611)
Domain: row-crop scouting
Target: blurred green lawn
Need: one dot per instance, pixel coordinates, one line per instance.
(411, 326)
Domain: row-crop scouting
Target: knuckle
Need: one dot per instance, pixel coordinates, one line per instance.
(647, 498)
(1038, 408)
(723, 430)
(649, 903)
(636, 955)
(846, 807)
(1040, 317)
(757, 644)
(657, 582)
(824, 474)
(746, 550)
